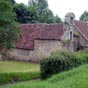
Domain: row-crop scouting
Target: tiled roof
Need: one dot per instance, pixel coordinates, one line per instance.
(30, 32)
(51, 32)
(82, 27)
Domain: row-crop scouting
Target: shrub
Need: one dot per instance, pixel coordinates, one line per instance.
(83, 57)
(18, 76)
(58, 62)
(85, 51)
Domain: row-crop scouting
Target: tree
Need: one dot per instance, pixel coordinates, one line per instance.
(44, 14)
(33, 15)
(25, 14)
(21, 13)
(47, 17)
(84, 16)
(33, 2)
(8, 27)
(58, 19)
(12, 2)
(36, 12)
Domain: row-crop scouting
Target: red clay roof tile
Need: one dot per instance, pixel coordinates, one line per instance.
(82, 27)
(30, 32)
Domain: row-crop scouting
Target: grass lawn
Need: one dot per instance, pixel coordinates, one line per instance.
(15, 66)
(76, 78)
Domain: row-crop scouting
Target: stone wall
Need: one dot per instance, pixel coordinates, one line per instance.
(76, 41)
(43, 48)
(0, 57)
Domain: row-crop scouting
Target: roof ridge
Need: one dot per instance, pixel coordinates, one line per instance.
(81, 21)
(41, 23)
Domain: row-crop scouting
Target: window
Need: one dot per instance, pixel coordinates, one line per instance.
(71, 20)
(71, 36)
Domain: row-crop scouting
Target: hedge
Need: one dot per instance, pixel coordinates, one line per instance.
(18, 76)
(60, 61)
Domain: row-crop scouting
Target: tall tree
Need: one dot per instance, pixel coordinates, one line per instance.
(8, 27)
(45, 15)
(13, 1)
(25, 14)
(21, 13)
(84, 16)
(58, 19)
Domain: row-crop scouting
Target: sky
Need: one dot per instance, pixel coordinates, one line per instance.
(61, 7)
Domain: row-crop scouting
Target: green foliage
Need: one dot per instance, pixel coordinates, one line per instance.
(16, 66)
(57, 19)
(18, 76)
(47, 17)
(36, 11)
(21, 13)
(25, 14)
(33, 14)
(75, 78)
(13, 71)
(83, 55)
(84, 16)
(61, 61)
(43, 13)
(12, 2)
(85, 51)
(8, 27)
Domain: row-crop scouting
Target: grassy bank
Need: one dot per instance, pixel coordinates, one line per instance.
(15, 66)
(75, 78)
(13, 71)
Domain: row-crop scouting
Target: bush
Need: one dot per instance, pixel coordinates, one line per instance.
(58, 62)
(18, 76)
(83, 57)
(85, 51)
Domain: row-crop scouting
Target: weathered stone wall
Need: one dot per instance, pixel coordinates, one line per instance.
(83, 42)
(0, 57)
(43, 48)
(75, 40)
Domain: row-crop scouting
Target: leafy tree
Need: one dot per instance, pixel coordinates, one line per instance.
(12, 1)
(84, 16)
(8, 27)
(25, 14)
(36, 11)
(57, 19)
(33, 2)
(33, 15)
(47, 17)
(44, 14)
(21, 13)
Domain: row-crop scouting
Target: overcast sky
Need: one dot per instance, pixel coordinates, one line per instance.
(61, 7)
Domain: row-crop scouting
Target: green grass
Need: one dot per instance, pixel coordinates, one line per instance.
(15, 66)
(75, 78)
(13, 71)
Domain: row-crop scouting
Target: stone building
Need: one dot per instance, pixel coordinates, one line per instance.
(37, 41)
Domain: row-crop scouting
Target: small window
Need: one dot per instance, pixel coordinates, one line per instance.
(71, 20)
(71, 36)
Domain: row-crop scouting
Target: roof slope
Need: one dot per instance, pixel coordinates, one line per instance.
(30, 32)
(50, 32)
(82, 27)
